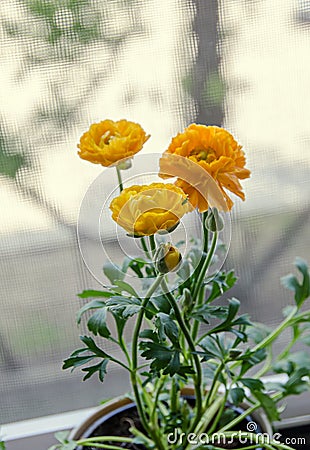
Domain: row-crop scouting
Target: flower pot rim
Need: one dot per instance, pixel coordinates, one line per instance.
(119, 404)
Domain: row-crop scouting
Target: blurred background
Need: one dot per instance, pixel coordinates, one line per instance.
(163, 63)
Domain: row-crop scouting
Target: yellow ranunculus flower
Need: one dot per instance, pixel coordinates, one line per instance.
(146, 210)
(109, 142)
(217, 152)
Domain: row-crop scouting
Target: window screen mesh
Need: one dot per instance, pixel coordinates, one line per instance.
(164, 64)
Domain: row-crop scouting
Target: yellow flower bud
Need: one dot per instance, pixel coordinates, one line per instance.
(167, 258)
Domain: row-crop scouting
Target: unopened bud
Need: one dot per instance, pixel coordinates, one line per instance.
(167, 258)
(186, 300)
(214, 221)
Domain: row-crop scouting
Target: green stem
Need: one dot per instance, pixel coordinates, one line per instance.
(266, 366)
(97, 442)
(206, 264)
(219, 414)
(242, 416)
(161, 384)
(272, 336)
(214, 382)
(205, 233)
(144, 246)
(134, 366)
(191, 345)
(199, 290)
(152, 244)
(119, 177)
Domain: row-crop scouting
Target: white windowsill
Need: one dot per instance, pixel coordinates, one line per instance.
(47, 426)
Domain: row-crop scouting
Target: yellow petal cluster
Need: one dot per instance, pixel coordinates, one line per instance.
(148, 209)
(216, 151)
(109, 142)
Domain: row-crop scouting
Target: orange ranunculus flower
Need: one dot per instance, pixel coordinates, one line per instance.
(146, 210)
(109, 142)
(216, 151)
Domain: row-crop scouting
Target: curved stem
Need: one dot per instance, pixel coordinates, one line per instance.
(272, 336)
(119, 178)
(206, 264)
(191, 345)
(152, 244)
(198, 288)
(134, 366)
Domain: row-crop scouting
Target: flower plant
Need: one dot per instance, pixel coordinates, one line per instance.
(189, 334)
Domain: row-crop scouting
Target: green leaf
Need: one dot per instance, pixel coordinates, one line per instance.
(221, 283)
(162, 304)
(174, 365)
(160, 354)
(101, 368)
(258, 332)
(125, 287)
(91, 294)
(125, 306)
(295, 385)
(2, 445)
(253, 384)
(97, 324)
(206, 312)
(237, 395)
(302, 290)
(94, 304)
(168, 327)
(269, 406)
(210, 348)
(62, 436)
(90, 343)
(113, 273)
(76, 361)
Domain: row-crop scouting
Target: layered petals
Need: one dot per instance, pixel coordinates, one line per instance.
(217, 152)
(109, 142)
(149, 209)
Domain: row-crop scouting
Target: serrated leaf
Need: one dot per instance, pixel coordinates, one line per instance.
(167, 327)
(174, 365)
(302, 290)
(101, 368)
(206, 312)
(220, 284)
(76, 361)
(97, 324)
(94, 304)
(210, 348)
(160, 354)
(125, 306)
(90, 343)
